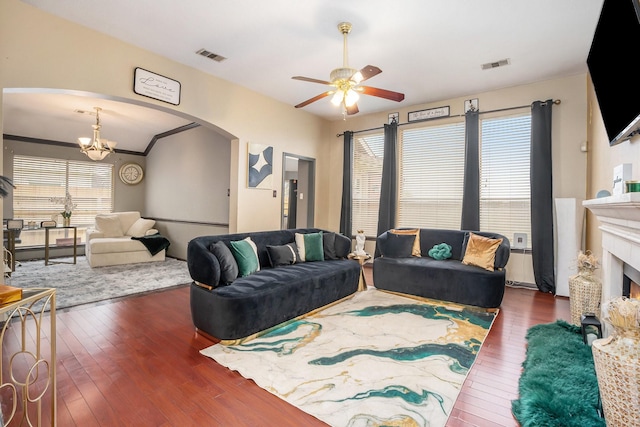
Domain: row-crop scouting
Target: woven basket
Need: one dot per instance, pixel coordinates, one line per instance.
(617, 363)
(585, 293)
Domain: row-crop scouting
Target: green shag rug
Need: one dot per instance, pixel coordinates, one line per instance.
(558, 386)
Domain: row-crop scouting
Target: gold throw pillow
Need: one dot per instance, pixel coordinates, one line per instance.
(415, 250)
(481, 251)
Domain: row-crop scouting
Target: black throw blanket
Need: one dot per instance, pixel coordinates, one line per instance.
(154, 243)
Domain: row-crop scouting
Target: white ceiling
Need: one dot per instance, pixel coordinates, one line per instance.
(429, 50)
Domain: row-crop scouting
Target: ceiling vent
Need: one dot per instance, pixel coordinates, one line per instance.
(501, 63)
(211, 55)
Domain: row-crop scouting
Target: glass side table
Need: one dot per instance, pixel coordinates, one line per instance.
(27, 370)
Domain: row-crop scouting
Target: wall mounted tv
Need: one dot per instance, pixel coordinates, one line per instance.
(615, 76)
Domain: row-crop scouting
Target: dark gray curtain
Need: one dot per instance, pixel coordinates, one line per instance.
(471, 195)
(347, 176)
(389, 184)
(542, 196)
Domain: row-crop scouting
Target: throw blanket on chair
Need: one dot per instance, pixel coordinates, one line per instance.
(154, 243)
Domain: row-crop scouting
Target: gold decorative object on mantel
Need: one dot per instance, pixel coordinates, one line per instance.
(585, 288)
(617, 363)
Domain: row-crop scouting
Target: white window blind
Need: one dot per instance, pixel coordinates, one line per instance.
(38, 179)
(505, 194)
(431, 177)
(368, 154)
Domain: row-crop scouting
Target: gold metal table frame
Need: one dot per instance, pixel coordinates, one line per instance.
(29, 388)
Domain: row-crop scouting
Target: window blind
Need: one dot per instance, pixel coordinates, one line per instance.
(505, 192)
(431, 176)
(38, 179)
(368, 154)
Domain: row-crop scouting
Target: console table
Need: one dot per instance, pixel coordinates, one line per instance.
(11, 243)
(34, 384)
(46, 244)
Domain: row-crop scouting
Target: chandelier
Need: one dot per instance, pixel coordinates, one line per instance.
(96, 148)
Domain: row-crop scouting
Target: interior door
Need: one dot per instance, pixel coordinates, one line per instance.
(298, 201)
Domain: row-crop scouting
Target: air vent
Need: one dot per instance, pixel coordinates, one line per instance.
(501, 63)
(211, 55)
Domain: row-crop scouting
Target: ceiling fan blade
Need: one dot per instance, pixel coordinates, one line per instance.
(309, 79)
(352, 110)
(314, 99)
(369, 71)
(381, 93)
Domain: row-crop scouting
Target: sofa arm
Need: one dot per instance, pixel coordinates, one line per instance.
(203, 265)
(92, 233)
(151, 232)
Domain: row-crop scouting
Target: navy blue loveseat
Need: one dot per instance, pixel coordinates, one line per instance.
(447, 280)
(269, 296)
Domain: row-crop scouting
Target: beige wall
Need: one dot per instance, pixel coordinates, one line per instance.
(602, 158)
(187, 180)
(568, 134)
(39, 50)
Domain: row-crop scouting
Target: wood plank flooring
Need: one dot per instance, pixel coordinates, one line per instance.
(135, 361)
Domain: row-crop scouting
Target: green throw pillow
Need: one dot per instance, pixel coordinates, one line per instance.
(246, 255)
(310, 247)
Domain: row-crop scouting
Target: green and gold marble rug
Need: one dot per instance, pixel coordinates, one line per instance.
(375, 359)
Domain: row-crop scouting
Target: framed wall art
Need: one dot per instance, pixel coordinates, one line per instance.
(431, 113)
(260, 166)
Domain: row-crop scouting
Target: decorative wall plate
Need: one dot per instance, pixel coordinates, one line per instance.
(131, 173)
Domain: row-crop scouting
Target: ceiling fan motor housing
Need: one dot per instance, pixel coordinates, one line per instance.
(342, 74)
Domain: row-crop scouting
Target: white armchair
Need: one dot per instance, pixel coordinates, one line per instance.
(110, 241)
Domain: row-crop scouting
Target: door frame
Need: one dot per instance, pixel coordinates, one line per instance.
(311, 192)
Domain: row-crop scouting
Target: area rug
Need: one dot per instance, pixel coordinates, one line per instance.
(80, 284)
(375, 359)
(558, 387)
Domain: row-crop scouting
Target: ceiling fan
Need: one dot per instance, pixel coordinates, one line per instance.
(346, 82)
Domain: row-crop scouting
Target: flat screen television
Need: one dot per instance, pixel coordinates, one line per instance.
(615, 76)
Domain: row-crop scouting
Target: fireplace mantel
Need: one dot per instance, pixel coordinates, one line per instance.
(625, 206)
(619, 218)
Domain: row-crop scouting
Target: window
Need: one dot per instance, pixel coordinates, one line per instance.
(38, 179)
(431, 177)
(368, 153)
(505, 195)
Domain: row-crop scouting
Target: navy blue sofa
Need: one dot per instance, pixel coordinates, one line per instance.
(269, 296)
(447, 280)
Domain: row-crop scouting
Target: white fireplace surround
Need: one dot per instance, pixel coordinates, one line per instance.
(619, 218)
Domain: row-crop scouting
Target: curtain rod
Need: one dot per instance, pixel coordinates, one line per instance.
(555, 101)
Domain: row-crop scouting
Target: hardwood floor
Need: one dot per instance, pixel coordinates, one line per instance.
(136, 362)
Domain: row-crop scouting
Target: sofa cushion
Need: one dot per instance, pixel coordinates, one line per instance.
(415, 250)
(228, 266)
(481, 251)
(127, 219)
(310, 246)
(107, 245)
(329, 245)
(398, 245)
(282, 254)
(140, 227)
(246, 255)
(109, 225)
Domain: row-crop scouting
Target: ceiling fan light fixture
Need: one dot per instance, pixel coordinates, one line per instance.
(357, 77)
(337, 98)
(96, 148)
(351, 97)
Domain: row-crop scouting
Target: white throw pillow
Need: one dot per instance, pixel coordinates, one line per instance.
(140, 227)
(109, 225)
